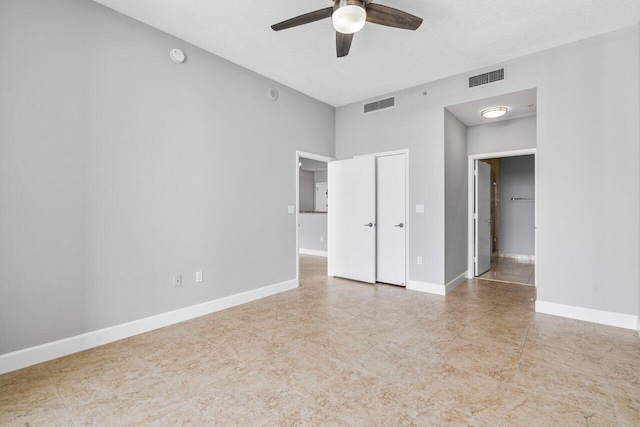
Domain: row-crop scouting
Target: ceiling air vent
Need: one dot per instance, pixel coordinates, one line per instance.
(381, 104)
(486, 78)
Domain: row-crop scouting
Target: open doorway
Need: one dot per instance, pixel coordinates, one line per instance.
(500, 137)
(312, 189)
(504, 219)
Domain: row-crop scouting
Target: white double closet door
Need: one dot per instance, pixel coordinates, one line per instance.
(367, 219)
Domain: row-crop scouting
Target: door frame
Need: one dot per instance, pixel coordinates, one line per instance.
(312, 156)
(472, 158)
(406, 206)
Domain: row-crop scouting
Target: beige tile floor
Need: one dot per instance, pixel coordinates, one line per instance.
(511, 271)
(338, 353)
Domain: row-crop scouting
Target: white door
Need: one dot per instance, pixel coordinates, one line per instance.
(391, 227)
(482, 217)
(322, 197)
(352, 218)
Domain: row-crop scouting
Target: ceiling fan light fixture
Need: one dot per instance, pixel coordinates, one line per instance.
(348, 16)
(494, 113)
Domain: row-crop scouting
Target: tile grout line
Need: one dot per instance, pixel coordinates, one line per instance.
(66, 407)
(512, 385)
(609, 388)
(161, 379)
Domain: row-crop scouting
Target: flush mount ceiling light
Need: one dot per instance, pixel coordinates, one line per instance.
(348, 16)
(494, 113)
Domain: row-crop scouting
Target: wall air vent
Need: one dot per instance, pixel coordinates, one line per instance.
(381, 104)
(486, 78)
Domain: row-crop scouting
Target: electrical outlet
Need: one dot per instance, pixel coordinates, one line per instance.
(291, 209)
(419, 208)
(198, 276)
(419, 260)
(177, 281)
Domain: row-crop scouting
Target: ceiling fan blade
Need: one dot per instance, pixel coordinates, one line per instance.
(343, 43)
(385, 15)
(303, 19)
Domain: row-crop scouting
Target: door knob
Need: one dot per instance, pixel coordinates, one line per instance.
(369, 225)
(399, 225)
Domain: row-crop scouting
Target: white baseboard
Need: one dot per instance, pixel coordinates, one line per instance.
(42, 353)
(455, 282)
(433, 288)
(312, 252)
(627, 321)
(522, 258)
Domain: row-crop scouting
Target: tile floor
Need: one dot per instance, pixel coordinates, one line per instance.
(511, 271)
(338, 353)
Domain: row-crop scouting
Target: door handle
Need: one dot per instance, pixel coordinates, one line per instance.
(369, 225)
(399, 225)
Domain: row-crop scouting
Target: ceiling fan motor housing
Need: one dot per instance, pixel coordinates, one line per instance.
(348, 16)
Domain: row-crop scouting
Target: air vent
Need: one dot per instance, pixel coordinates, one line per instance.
(381, 104)
(486, 78)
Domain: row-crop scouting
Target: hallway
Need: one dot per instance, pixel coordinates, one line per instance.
(511, 271)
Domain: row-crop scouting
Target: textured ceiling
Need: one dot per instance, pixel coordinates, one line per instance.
(455, 37)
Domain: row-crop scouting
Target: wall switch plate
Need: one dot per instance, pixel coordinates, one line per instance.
(419, 260)
(177, 281)
(419, 208)
(292, 209)
(198, 276)
(322, 238)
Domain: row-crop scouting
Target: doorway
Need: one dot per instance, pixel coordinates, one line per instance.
(503, 213)
(368, 218)
(311, 206)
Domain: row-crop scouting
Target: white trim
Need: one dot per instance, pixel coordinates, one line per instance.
(313, 252)
(455, 282)
(431, 288)
(620, 320)
(41, 353)
(384, 153)
(311, 156)
(520, 257)
(472, 158)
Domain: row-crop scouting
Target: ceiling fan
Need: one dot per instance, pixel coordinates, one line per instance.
(349, 16)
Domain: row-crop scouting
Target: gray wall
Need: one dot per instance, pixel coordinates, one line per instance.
(307, 191)
(320, 176)
(507, 135)
(120, 169)
(415, 124)
(587, 221)
(308, 181)
(456, 200)
(517, 217)
(313, 231)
